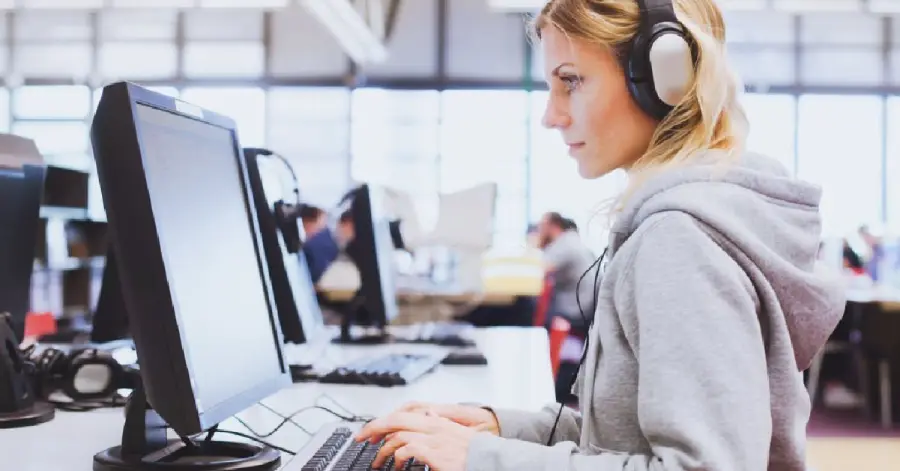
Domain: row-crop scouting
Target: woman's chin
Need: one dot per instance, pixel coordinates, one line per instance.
(591, 172)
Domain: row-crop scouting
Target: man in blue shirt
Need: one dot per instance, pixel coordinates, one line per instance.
(321, 247)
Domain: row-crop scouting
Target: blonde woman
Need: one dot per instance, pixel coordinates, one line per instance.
(708, 308)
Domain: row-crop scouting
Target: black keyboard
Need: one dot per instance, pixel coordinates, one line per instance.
(341, 453)
(395, 369)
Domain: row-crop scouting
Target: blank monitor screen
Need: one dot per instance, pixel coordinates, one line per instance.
(207, 240)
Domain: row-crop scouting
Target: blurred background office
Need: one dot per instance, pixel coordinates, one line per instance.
(436, 96)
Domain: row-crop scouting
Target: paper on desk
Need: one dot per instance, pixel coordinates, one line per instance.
(18, 151)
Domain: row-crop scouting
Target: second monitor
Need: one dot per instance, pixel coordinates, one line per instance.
(371, 250)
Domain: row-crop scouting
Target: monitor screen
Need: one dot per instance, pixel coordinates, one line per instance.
(208, 247)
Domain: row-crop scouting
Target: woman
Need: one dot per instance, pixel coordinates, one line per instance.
(708, 308)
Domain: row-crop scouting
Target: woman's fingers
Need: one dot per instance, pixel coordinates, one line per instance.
(393, 443)
(414, 407)
(417, 449)
(377, 429)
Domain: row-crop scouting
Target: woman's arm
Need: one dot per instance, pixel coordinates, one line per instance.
(690, 316)
(535, 426)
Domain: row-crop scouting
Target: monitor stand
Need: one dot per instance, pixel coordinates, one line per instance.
(18, 407)
(347, 321)
(145, 447)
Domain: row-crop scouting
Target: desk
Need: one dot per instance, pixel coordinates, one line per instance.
(503, 279)
(518, 375)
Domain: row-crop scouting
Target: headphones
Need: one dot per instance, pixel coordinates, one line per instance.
(287, 215)
(88, 374)
(659, 61)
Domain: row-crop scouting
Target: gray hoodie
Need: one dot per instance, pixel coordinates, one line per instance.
(709, 310)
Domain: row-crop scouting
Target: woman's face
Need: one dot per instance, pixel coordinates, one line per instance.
(590, 105)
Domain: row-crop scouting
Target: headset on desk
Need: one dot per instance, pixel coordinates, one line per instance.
(90, 377)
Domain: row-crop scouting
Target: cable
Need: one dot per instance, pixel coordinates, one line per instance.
(292, 172)
(597, 263)
(255, 151)
(289, 419)
(258, 440)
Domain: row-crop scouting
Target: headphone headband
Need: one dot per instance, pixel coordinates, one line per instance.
(654, 12)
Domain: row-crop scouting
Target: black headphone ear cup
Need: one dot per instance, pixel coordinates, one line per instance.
(88, 358)
(639, 73)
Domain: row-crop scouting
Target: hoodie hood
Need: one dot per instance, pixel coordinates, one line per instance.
(771, 218)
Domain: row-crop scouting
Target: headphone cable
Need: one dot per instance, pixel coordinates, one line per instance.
(597, 263)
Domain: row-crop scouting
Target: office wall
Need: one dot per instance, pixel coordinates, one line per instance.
(459, 100)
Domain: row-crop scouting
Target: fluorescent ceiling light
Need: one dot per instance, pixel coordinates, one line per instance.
(349, 28)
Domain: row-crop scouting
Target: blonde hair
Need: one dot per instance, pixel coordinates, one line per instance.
(708, 117)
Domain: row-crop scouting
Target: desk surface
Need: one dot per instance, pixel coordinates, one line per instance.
(518, 375)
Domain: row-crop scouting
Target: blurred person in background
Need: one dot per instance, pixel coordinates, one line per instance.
(321, 247)
(567, 258)
(709, 306)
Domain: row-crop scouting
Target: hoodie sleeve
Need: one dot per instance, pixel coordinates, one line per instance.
(535, 427)
(689, 313)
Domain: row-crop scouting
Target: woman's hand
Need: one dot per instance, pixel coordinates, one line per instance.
(436, 441)
(469, 416)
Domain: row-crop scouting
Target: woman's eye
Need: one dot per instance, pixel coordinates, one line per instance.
(571, 82)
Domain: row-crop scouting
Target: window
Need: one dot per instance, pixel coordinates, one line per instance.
(51, 102)
(893, 166)
(395, 139)
(246, 106)
(773, 127)
(64, 142)
(311, 128)
(484, 137)
(840, 148)
(4, 110)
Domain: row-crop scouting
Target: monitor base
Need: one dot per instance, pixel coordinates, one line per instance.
(207, 456)
(19, 406)
(364, 340)
(38, 413)
(145, 447)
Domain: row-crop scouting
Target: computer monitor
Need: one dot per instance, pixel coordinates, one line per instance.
(298, 309)
(110, 321)
(21, 190)
(194, 279)
(371, 250)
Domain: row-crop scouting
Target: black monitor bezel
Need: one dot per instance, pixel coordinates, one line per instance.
(154, 320)
(293, 327)
(19, 269)
(380, 308)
